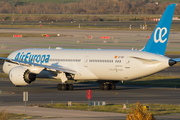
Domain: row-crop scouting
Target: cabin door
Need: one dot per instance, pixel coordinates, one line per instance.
(86, 59)
(127, 66)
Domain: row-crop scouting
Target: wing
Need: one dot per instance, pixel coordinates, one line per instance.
(50, 68)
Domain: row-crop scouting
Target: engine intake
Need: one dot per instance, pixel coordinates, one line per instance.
(29, 77)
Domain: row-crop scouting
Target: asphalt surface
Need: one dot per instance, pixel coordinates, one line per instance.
(43, 92)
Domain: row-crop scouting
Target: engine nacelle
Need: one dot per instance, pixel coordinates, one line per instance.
(20, 76)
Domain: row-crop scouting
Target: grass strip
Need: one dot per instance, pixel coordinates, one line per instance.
(174, 28)
(172, 52)
(86, 44)
(155, 109)
(75, 27)
(5, 115)
(30, 46)
(156, 80)
(4, 55)
(25, 35)
(3, 75)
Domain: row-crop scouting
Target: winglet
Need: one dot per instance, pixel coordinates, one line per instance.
(158, 40)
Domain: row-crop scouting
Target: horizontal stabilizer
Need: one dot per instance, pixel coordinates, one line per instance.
(176, 59)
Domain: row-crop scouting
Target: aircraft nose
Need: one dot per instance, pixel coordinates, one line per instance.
(5, 68)
(172, 62)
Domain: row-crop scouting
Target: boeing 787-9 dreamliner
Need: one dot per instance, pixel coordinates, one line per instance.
(107, 66)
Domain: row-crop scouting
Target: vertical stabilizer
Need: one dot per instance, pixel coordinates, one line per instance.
(158, 40)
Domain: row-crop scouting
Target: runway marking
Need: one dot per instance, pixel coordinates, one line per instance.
(115, 93)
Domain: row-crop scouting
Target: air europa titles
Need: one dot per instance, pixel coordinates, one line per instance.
(28, 57)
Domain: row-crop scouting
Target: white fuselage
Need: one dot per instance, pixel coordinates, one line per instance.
(94, 64)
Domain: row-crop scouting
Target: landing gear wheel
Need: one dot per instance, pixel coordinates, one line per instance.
(113, 86)
(106, 86)
(70, 86)
(102, 86)
(59, 86)
(64, 87)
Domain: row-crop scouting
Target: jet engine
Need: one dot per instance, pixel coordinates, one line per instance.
(20, 76)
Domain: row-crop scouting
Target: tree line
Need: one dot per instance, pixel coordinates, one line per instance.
(87, 7)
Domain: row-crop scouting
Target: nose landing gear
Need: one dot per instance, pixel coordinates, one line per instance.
(64, 85)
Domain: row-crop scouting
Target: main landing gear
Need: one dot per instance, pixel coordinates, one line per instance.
(65, 86)
(104, 85)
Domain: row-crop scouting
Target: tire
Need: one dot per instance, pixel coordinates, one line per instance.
(64, 87)
(59, 86)
(70, 86)
(113, 86)
(106, 86)
(101, 86)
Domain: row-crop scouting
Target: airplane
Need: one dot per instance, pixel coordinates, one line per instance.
(106, 66)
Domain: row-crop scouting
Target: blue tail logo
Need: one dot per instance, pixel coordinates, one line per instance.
(160, 37)
(158, 40)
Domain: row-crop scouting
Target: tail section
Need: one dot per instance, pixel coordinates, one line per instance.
(158, 40)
